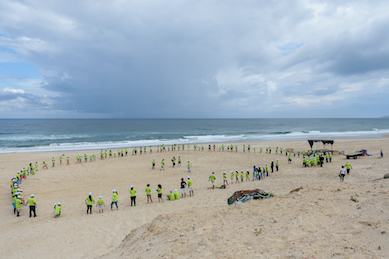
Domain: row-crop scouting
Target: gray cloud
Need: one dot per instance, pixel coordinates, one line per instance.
(201, 58)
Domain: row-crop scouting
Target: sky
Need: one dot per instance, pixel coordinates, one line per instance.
(194, 59)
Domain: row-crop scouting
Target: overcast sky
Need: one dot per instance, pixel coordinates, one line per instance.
(194, 59)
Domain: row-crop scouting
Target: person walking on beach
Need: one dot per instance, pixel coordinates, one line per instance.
(18, 205)
(189, 166)
(67, 160)
(236, 176)
(53, 160)
(60, 160)
(100, 203)
(114, 199)
(179, 158)
(148, 193)
(133, 195)
(153, 167)
(348, 167)
(342, 173)
(272, 166)
(159, 191)
(32, 204)
(247, 176)
(190, 186)
(162, 164)
(174, 161)
(89, 201)
(183, 185)
(232, 177)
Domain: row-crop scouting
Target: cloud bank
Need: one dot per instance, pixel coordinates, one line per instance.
(194, 59)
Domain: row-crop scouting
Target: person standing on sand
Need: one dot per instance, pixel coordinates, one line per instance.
(232, 177)
(236, 176)
(183, 185)
(159, 190)
(58, 209)
(32, 204)
(67, 160)
(162, 164)
(342, 173)
(189, 166)
(148, 193)
(348, 167)
(225, 178)
(212, 178)
(114, 199)
(272, 166)
(100, 203)
(247, 176)
(190, 186)
(133, 195)
(153, 167)
(89, 201)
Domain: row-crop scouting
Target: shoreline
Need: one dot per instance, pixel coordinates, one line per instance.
(192, 143)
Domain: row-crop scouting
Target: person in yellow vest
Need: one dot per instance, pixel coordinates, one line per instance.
(60, 160)
(100, 203)
(162, 164)
(32, 204)
(57, 210)
(159, 190)
(67, 160)
(89, 201)
(148, 193)
(189, 166)
(114, 199)
(14, 197)
(212, 178)
(190, 186)
(232, 177)
(53, 160)
(170, 196)
(225, 178)
(18, 205)
(133, 195)
(176, 194)
(44, 165)
(348, 167)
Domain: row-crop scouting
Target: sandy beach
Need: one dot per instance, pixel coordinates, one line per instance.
(319, 221)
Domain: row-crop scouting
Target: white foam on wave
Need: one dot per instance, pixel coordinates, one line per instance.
(37, 137)
(227, 139)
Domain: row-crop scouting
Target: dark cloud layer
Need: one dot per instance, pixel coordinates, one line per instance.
(199, 58)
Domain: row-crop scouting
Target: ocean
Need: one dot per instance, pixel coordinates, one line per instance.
(30, 135)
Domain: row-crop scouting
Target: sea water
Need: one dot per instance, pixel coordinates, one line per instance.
(29, 135)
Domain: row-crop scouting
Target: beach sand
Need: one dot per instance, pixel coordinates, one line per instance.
(319, 221)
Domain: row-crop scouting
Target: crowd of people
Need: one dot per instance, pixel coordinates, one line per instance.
(309, 159)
